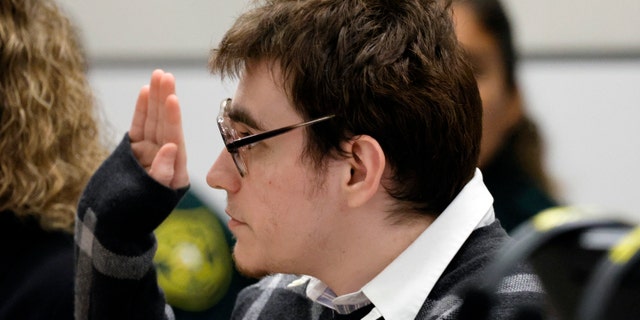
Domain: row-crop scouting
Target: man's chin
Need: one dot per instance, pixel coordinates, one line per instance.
(248, 270)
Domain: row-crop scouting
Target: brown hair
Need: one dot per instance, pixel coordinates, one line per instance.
(48, 131)
(390, 69)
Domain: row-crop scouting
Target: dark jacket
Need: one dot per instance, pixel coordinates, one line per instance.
(36, 271)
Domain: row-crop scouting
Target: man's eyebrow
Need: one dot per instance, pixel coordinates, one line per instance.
(240, 114)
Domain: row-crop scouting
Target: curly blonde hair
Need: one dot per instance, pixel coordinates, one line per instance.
(49, 132)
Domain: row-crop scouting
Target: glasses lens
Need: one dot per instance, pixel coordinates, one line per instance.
(239, 161)
(227, 132)
(230, 135)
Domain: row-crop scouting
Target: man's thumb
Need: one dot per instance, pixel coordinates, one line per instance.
(163, 164)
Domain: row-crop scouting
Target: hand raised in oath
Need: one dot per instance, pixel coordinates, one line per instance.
(156, 134)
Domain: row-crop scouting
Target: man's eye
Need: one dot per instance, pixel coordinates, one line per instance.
(243, 134)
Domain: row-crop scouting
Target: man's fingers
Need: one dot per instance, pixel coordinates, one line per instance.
(172, 130)
(166, 88)
(154, 103)
(145, 152)
(174, 133)
(156, 132)
(136, 132)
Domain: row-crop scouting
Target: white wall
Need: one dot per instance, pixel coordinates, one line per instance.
(143, 29)
(588, 112)
(575, 26)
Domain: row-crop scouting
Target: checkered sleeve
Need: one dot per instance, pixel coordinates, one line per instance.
(115, 245)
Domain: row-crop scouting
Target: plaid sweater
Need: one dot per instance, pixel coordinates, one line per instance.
(274, 298)
(115, 245)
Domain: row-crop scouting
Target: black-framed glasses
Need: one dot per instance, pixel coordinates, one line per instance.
(237, 144)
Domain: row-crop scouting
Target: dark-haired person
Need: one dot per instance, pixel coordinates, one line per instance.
(511, 152)
(350, 170)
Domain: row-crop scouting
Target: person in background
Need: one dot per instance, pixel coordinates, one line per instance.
(352, 141)
(511, 153)
(50, 145)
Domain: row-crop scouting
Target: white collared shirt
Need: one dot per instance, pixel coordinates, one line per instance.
(399, 291)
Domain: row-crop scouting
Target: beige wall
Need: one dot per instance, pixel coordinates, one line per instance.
(187, 29)
(576, 26)
(151, 29)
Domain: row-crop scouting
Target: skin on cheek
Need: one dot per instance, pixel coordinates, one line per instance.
(300, 217)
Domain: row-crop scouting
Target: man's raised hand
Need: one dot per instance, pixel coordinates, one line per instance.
(156, 133)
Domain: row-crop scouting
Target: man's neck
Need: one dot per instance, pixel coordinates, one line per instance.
(368, 245)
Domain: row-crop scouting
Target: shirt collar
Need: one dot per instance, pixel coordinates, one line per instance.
(400, 297)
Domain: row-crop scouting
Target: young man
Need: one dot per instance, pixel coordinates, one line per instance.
(351, 147)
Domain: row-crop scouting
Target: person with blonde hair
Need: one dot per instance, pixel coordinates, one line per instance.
(50, 145)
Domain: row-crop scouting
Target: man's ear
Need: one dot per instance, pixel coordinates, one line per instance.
(366, 166)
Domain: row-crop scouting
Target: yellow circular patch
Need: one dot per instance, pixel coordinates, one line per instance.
(193, 259)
